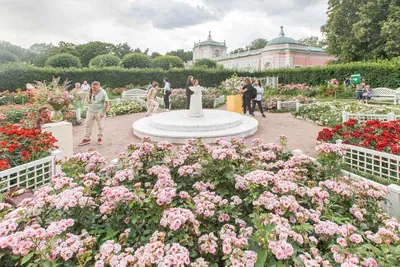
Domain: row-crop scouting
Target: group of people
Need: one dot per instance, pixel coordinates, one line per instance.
(252, 92)
(363, 90)
(154, 88)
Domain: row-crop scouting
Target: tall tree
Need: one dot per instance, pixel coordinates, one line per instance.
(184, 55)
(93, 49)
(257, 44)
(122, 49)
(313, 41)
(40, 52)
(237, 50)
(391, 30)
(362, 29)
(155, 54)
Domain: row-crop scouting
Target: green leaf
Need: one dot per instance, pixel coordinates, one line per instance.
(261, 258)
(27, 257)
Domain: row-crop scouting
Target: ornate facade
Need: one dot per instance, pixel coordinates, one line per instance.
(280, 52)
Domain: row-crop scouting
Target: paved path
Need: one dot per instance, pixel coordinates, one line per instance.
(118, 133)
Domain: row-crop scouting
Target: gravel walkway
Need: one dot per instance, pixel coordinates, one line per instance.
(118, 133)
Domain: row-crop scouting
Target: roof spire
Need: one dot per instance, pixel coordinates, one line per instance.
(209, 35)
(281, 34)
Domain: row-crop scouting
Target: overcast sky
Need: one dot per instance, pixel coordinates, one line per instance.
(161, 25)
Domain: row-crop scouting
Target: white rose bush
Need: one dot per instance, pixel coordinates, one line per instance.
(224, 204)
(330, 113)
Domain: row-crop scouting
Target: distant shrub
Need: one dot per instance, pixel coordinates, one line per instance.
(104, 61)
(136, 60)
(63, 60)
(205, 63)
(6, 57)
(168, 62)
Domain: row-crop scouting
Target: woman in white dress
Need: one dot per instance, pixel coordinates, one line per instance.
(196, 103)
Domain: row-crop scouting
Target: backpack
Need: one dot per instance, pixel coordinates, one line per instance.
(252, 92)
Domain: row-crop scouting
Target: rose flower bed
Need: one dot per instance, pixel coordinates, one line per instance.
(20, 144)
(374, 134)
(202, 205)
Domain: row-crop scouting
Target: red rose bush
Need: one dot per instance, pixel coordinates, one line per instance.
(374, 134)
(20, 144)
(200, 205)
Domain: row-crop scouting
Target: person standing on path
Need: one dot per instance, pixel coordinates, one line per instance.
(85, 87)
(258, 99)
(188, 91)
(98, 105)
(152, 104)
(167, 93)
(360, 90)
(246, 99)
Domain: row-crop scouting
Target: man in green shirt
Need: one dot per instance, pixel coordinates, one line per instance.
(98, 105)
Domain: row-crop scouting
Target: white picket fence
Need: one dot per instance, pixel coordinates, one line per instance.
(30, 175)
(367, 117)
(393, 205)
(380, 164)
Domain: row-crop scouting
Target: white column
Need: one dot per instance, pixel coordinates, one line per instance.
(62, 131)
(391, 116)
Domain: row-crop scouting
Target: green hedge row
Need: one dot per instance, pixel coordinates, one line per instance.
(377, 74)
(14, 76)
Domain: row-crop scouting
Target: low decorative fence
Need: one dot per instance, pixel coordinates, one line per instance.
(380, 164)
(367, 117)
(288, 105)
(392, 206)
(30, 175)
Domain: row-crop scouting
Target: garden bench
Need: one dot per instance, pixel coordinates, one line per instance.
(134, 94)
(385, 94)
(139, 95)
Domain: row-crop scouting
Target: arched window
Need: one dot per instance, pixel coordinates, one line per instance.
(268, 65)
(216, 53)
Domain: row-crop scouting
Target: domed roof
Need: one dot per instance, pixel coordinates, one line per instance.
(282, 39)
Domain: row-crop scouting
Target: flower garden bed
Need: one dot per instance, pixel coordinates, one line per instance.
(201, 205)
(375, 135)
(374, 147)
(330, 113)
(21, 144)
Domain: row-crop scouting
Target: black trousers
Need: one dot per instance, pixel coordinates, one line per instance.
(166, 99)
(246, 104)
(188, 101)
(259, 103)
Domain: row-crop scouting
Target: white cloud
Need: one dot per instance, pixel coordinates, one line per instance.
(157, 24)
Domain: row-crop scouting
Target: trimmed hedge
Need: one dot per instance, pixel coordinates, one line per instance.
(377, 74)
(14, 76)
(102, 61)
(136, 60)
(63, 60)
(168, 62)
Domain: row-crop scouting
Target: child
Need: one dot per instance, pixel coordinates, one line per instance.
(367, 94)
(44, 117)
(152, 104)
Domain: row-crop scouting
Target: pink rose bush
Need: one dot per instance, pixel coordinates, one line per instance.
(201, 205)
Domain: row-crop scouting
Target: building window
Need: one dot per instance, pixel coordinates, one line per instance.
(216, 53)
(297, 66)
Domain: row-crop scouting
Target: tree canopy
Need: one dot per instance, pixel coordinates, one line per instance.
(313, 41)
(184, 55)
(363, 30)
